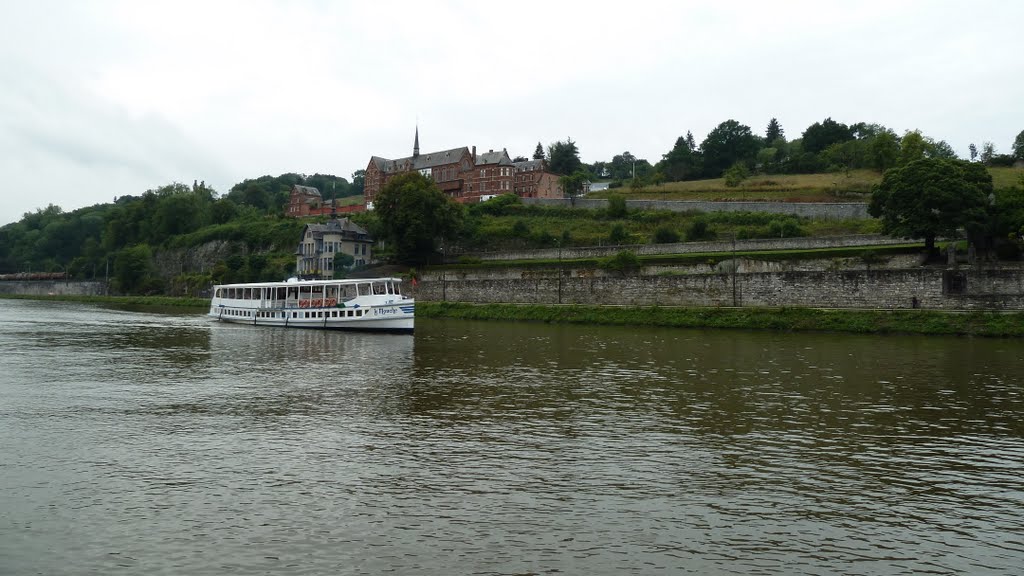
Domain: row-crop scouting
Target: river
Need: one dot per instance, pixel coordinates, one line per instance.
(139, 442)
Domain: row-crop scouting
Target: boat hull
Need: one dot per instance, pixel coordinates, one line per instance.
(398, 318)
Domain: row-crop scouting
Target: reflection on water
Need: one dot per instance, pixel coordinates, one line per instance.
(163, 443)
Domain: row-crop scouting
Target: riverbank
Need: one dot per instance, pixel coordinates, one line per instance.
(161, 301)
(925, 322)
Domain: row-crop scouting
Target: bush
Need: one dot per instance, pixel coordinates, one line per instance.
(615, 184)
(665, 235)
(736, 174)
(624, 261)
(616, 206)
(699, 230)
(618, 234)
(520, 229)
(786, 228)
(498, 205)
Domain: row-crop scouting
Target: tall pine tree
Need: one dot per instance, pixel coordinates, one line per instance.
(538, 154)
(774, 131)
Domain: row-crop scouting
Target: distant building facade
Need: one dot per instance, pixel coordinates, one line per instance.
(314, 257)
(307, 201)
(534, 180)
(460, 173)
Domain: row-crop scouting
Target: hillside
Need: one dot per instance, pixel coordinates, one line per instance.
(829, 187)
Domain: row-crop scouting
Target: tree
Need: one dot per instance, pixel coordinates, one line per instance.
(774, 131)
(416, 216)
(342, 262)
(538, 154)
(133, 267)
(821, 135)
(728, 143)
(974, 151)
(690, 141)
(846, 155)
(573, 185)
(358, 181)
(1018, 146)
(564, 157)
(912, 147)
(520, 159)
(736, 174)
(884, 150)
(931, 197)
(940, 149)
(988, 151)
(680, 162)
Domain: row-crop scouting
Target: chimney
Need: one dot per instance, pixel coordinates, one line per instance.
(474, 154)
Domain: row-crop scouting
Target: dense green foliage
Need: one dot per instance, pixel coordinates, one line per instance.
(564, 158)
(416, 217)
(123, 240)
(270, 193)
(932, 197)
(825, 146)
(991, 324)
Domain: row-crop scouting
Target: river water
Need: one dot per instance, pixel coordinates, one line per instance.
(136, 442)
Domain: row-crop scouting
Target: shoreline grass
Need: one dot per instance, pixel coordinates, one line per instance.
(918, 322)
(155, 301)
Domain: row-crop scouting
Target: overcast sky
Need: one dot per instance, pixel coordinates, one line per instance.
(104, 99)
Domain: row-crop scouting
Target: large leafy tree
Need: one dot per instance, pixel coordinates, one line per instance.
(932, 197)
(415, 216)
(884, 150)
(564, 157)
(821, 135)
(730, 142)
(1018, 146)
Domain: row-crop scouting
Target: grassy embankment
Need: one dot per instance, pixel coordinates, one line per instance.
(926, 322)
(829, 187)
(155, 301)
(870, 255)
(525, 227)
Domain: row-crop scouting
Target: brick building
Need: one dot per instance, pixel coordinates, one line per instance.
(314, 257)
(460, 173)
(534, 180)
(307, 201)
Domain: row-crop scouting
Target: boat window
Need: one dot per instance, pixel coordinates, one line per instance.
(331, 292)
(378, 288)
(219, 293)
(348, 292)
(364, 289)
(398, 288)
(247, 294)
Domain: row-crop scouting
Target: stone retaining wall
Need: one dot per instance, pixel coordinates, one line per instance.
(52, 287)
(925, 287)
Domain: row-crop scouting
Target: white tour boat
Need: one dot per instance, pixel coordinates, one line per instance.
(353, 304)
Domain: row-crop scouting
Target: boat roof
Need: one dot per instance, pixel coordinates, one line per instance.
(292, 282)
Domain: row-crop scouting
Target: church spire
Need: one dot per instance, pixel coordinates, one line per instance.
(416, 143)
